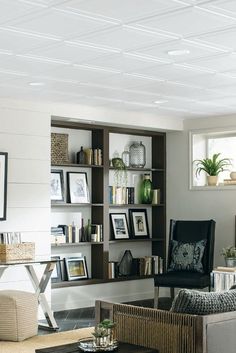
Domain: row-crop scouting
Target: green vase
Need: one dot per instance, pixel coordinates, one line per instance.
(146, 190)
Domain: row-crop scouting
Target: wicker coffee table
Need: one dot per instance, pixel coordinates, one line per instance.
(73, 348)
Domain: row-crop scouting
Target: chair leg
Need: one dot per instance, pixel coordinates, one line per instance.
(172, 293)
(156, 297)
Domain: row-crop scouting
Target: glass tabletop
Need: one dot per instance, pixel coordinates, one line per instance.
(36, 260)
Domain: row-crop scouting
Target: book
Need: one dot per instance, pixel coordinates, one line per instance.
(225, 269)
(229, 182)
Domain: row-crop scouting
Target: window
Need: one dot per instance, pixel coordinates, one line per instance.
(204, 145)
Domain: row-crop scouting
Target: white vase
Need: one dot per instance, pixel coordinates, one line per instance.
(212, 180)
(233, 175)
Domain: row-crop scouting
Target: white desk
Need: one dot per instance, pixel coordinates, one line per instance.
(39, 284)
(223, 280)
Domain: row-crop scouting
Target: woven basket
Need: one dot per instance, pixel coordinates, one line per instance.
(23, 251)
(59, 148)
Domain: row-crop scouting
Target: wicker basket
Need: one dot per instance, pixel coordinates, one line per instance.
(59, 148)
(23, 251)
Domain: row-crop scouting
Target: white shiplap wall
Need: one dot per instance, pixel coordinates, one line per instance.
(25, 135)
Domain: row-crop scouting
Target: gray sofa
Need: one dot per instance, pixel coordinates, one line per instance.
(170, 332)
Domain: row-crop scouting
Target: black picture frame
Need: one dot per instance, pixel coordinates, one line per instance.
(76, 268)
(139, 223)
(57, 186)
(78, 191)
(3, 185)
(119, 226)
(56, 275)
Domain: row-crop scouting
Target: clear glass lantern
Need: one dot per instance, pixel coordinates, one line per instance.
(137, 155)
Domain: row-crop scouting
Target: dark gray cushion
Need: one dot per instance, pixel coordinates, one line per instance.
(204, 303)
(187, 256)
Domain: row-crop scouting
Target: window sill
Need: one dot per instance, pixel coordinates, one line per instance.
(213, 188)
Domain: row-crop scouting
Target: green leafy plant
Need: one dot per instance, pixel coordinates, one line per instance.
(229, 252)
(103, 328)
(212, 166)
(120, 175)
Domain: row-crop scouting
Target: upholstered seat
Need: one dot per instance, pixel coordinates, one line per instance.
(184, 279)
(18, 315)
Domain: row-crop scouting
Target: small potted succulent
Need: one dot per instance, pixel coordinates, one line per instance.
(229, 254)
(212, 167)
(103, 333)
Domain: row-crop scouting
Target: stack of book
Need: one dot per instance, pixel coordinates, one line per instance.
(229, 181)
(121, 195)
(147, 265)
(10, 238)
(97, 156)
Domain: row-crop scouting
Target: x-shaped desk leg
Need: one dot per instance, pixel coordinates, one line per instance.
(40, 287)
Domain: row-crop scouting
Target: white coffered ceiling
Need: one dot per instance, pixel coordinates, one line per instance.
(116, 54)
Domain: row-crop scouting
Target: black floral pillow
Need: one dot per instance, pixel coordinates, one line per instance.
(187, 256)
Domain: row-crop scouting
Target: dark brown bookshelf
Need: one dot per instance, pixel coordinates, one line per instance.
(100, 206)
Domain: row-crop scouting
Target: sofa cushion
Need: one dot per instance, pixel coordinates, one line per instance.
(187, 256)
(204, 303)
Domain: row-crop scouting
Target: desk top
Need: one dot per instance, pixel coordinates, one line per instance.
(36, 260)
(73, 347)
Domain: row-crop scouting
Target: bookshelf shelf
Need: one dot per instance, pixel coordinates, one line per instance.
(76, 204)
(141, 169)
(97, 281)
(136, 205)
(74, 165)
(82, 243)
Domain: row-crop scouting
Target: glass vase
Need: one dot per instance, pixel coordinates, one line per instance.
(146, 190)
(137, 155)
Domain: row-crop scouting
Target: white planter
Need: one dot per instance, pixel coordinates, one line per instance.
(212, 180)
(230, 261)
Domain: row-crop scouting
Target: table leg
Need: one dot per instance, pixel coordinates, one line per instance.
(40, 287)
(2, 269)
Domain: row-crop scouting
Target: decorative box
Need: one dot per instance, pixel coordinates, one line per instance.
(22, 251)
(59, 148)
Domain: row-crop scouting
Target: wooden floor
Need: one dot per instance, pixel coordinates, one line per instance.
(85, 317)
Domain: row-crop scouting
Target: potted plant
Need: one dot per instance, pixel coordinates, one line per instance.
(229, 254)
(212, 166)
(120, 176)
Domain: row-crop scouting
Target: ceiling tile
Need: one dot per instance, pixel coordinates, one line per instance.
(59, 23)
(80, 74)
(14, 9)
(123, 10)
(27, 65)
(190, 21)
(73, 53)
(121, 62)
(193, 51)
(225, 7)
(127, 81)
(123, 38)
(21, 42)
(222, 39)
(219, 63)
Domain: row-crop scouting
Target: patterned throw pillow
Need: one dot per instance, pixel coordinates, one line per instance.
(204, 303)
(187, 256)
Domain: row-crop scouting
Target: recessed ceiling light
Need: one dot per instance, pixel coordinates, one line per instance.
(36, 84)
(178, 52)
(160, 101)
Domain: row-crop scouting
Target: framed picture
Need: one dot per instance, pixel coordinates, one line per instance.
(76, 268)
(139, 223)
(57, 185)
(3, 185)
(56, 273)
(119, 226)
(78, 187)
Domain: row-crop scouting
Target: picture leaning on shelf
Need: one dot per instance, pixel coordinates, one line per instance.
(78, 191)
(76, 268)
(57, 186)
(138, 223)
(119, 226)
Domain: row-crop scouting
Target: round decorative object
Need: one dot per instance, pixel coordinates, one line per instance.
(146, 190)
(233, 175)
(137, 155)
